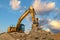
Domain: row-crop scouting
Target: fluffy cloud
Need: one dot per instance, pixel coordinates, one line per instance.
(55, 24)
(43, 7)
(15, 4)
(52, 25)
(46, 29)
(43, 21)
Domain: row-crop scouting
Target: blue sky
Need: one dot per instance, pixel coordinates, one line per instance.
(9, 16)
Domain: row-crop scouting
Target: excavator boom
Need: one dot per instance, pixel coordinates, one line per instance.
(18, 26)
(31, 11)
(21, 18)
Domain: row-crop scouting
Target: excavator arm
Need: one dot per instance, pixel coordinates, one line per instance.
(22, 17)
(31, 11)
(18, 26)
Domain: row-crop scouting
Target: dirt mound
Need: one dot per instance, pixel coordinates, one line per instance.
(6, 36)
(57, 36)
(33, 35)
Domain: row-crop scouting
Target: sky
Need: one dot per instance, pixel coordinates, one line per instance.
(48, 12)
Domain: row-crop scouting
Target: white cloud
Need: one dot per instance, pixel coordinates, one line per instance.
(46, 29)
(42, 7)
(55, 24)
(15, 4)
(43, 21)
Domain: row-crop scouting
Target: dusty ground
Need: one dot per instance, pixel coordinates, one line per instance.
(33, 35)
(56, 36)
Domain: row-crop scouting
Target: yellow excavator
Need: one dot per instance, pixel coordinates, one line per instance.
(20, 27)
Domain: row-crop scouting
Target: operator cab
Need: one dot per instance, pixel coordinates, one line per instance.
(21, 28)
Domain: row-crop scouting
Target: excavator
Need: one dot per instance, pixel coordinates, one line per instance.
(19, 27)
